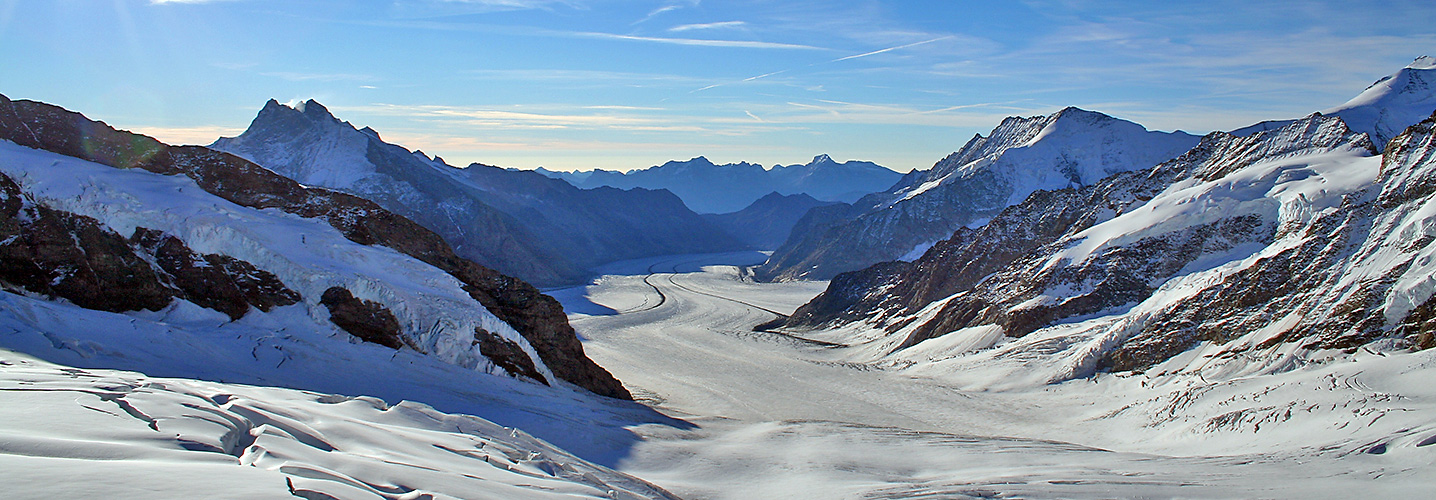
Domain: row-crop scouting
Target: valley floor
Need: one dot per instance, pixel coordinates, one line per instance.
(779, 416)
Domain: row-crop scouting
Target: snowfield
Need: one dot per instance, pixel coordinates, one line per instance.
(748, 414)
(781, 417)
(76, 433)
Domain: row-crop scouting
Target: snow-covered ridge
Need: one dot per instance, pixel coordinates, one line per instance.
(1072, 147)
(1386, 107)
(1391, 104)
(1022, 155)
(436, 315)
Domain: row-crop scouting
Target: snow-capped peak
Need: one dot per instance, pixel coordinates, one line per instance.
(1394, 102)
(820, 159)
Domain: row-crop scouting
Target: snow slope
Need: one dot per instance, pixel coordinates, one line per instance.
(1385, 108)
(1248, 255)
(436, 315)
(78, 433)
(1391, 104)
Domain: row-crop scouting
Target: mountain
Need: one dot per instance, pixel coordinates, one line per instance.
(1385, 108)
(539, 229)
(1071, 147)
(96, 219)
(716, 189)
(1248, 254)
(767, 222)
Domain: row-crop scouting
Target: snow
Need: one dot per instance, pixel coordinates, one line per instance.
(308, 255)
(917, 251)
(1072, 147)
(128, 435)
(780, 417)
(1391, 104)
(1285, 191)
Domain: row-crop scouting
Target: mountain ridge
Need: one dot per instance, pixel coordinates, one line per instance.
(537, 228)
(710, 188)
(1021, 155)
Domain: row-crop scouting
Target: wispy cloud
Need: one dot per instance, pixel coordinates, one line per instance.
(708, 26)
(656, 13)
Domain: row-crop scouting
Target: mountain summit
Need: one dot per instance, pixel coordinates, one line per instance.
(1072, 147)
(1385, 108)
(539, 229)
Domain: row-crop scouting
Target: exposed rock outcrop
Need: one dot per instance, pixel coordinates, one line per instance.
(365, 319)
(219, 282)
(61, 254)
(507, 354)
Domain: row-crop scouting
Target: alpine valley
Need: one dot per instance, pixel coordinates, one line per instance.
(1070, 306)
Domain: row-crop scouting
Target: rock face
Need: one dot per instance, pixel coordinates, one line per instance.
(767, 222)
(365, 319)
(537, 317)
(1069, 148)
(1284, 241)
(521, 223)
(717, 189)
(507, 354)
(218, 282)
(61, 254)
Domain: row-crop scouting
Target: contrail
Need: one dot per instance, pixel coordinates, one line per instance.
(890, 49)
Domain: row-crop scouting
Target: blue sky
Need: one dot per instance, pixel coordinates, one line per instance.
(580, 84)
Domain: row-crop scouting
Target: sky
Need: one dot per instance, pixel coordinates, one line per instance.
(619, 85)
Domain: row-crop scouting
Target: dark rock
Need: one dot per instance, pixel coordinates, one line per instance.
(365, 319)
(218, 282)
(507, 355)
(61, 254)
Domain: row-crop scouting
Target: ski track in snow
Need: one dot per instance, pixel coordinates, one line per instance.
(780, 418)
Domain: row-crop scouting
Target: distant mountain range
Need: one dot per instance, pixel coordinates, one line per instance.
(767, 222)
(714, 189)
(518, 222)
